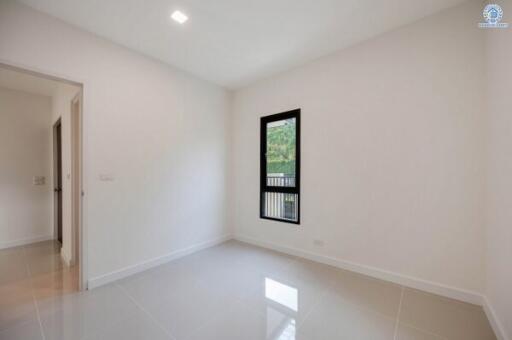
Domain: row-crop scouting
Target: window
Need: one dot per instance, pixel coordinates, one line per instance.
(280, 167)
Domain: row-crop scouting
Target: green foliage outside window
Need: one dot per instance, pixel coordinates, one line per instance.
(281, 148)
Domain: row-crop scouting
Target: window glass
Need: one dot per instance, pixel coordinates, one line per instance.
(281, 153)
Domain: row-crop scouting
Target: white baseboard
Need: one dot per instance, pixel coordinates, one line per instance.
(496, 325)
(404, 280)
(140, 267)
(22, 242)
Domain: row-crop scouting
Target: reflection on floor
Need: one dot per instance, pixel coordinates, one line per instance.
(29, 274)
(234, 292)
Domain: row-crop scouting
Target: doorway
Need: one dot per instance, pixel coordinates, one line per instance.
(57, 179)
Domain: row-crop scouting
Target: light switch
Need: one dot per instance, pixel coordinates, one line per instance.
(39, 180)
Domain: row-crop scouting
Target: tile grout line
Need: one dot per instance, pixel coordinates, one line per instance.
(33, 294)
(395, 337)
(408, 325)
(145, 311)
(312, 309)
(425, 331)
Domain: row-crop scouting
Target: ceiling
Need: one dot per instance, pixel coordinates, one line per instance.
(29, 83)
(236, 42)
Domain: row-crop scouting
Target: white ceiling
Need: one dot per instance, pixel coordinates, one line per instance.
(235, 42)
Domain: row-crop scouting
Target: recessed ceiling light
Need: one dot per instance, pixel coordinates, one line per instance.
(179, 17)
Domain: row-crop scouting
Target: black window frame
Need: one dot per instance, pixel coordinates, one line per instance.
(264, 187)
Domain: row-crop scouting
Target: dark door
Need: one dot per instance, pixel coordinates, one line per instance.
(57, 173)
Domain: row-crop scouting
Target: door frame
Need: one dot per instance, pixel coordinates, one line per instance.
(77, 182)
(58, 217)
(83, 199)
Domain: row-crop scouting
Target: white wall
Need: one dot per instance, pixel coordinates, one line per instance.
(392, 152)
(499, 176)
(25, 152)
(159, 132)
(61, 109)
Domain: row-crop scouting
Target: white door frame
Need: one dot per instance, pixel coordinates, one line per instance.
(76, 185)
(82, 234)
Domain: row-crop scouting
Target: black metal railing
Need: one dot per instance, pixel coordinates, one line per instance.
(281, 205)
(281, 181)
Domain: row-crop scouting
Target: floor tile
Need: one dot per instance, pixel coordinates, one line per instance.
(335, 319)
(16, 304)
(29, 330)
(60, 282)
(286, 294)
(43, 257)
(138, 327)
(185, 312)
(157, 285)
(235, 280)
(39, 249)
(447, 318)
(45, 264)
(408, 333)
(145, 290)
(367, 293)
(267, 262)
(85, 314)
(309, 270)
(238, 322)
(12, 265)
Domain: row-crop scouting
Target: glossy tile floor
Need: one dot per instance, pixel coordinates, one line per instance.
(232, 291)
(30, 274)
